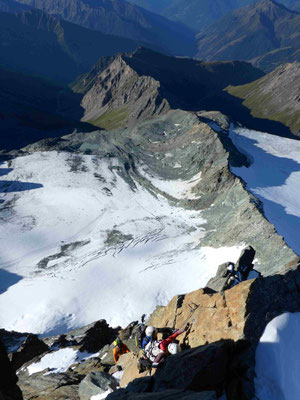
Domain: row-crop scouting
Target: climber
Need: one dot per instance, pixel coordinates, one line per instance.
(119, 349)
(150, 335)
(158, 350)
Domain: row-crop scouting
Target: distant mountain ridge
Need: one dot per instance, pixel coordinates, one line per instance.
(40, 44)
(252, 32)
(118, 17)
(198, 14)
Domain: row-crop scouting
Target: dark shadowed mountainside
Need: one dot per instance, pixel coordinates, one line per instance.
(36, 43)
(131, 87)
(32, 109)
(118, 17)
(252, 32)
(275, 96)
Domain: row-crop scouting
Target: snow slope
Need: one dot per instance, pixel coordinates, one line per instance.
(278, 359)
(59, 361)
(274, 178)
(80, 244)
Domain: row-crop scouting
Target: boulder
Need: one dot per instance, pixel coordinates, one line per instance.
(219, 282)
(90, 338)
(49, 386)
(8, 382)
(165, 395)
(224, 280)
(29, 349)
(96, 383)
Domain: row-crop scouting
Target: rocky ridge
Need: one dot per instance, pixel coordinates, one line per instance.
(118, 17)
(129, 88)
(226, 326)
(155, 148)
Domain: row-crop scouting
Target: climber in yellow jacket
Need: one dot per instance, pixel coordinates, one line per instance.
(119, 349)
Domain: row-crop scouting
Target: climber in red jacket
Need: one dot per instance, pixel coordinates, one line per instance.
(157, 351)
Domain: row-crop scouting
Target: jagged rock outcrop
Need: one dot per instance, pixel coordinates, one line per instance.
(8, 382)
(90, 338)
(121, 90)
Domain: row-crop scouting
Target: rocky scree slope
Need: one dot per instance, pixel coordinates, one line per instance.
(274, 96)
(118, 17)
(133, 87)
(251, 33)
(40, 44)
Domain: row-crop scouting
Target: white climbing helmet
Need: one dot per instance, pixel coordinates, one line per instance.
(149, 331)
(173, 348)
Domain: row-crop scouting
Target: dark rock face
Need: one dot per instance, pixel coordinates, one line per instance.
(96, 383)
(31, 348)
(8, 382)
(97, 335)
(171, 394)
(198, 369)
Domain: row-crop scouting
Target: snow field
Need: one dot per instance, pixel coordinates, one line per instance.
(278, 359)
(59, 361)
(124, 251)
(274, 178)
